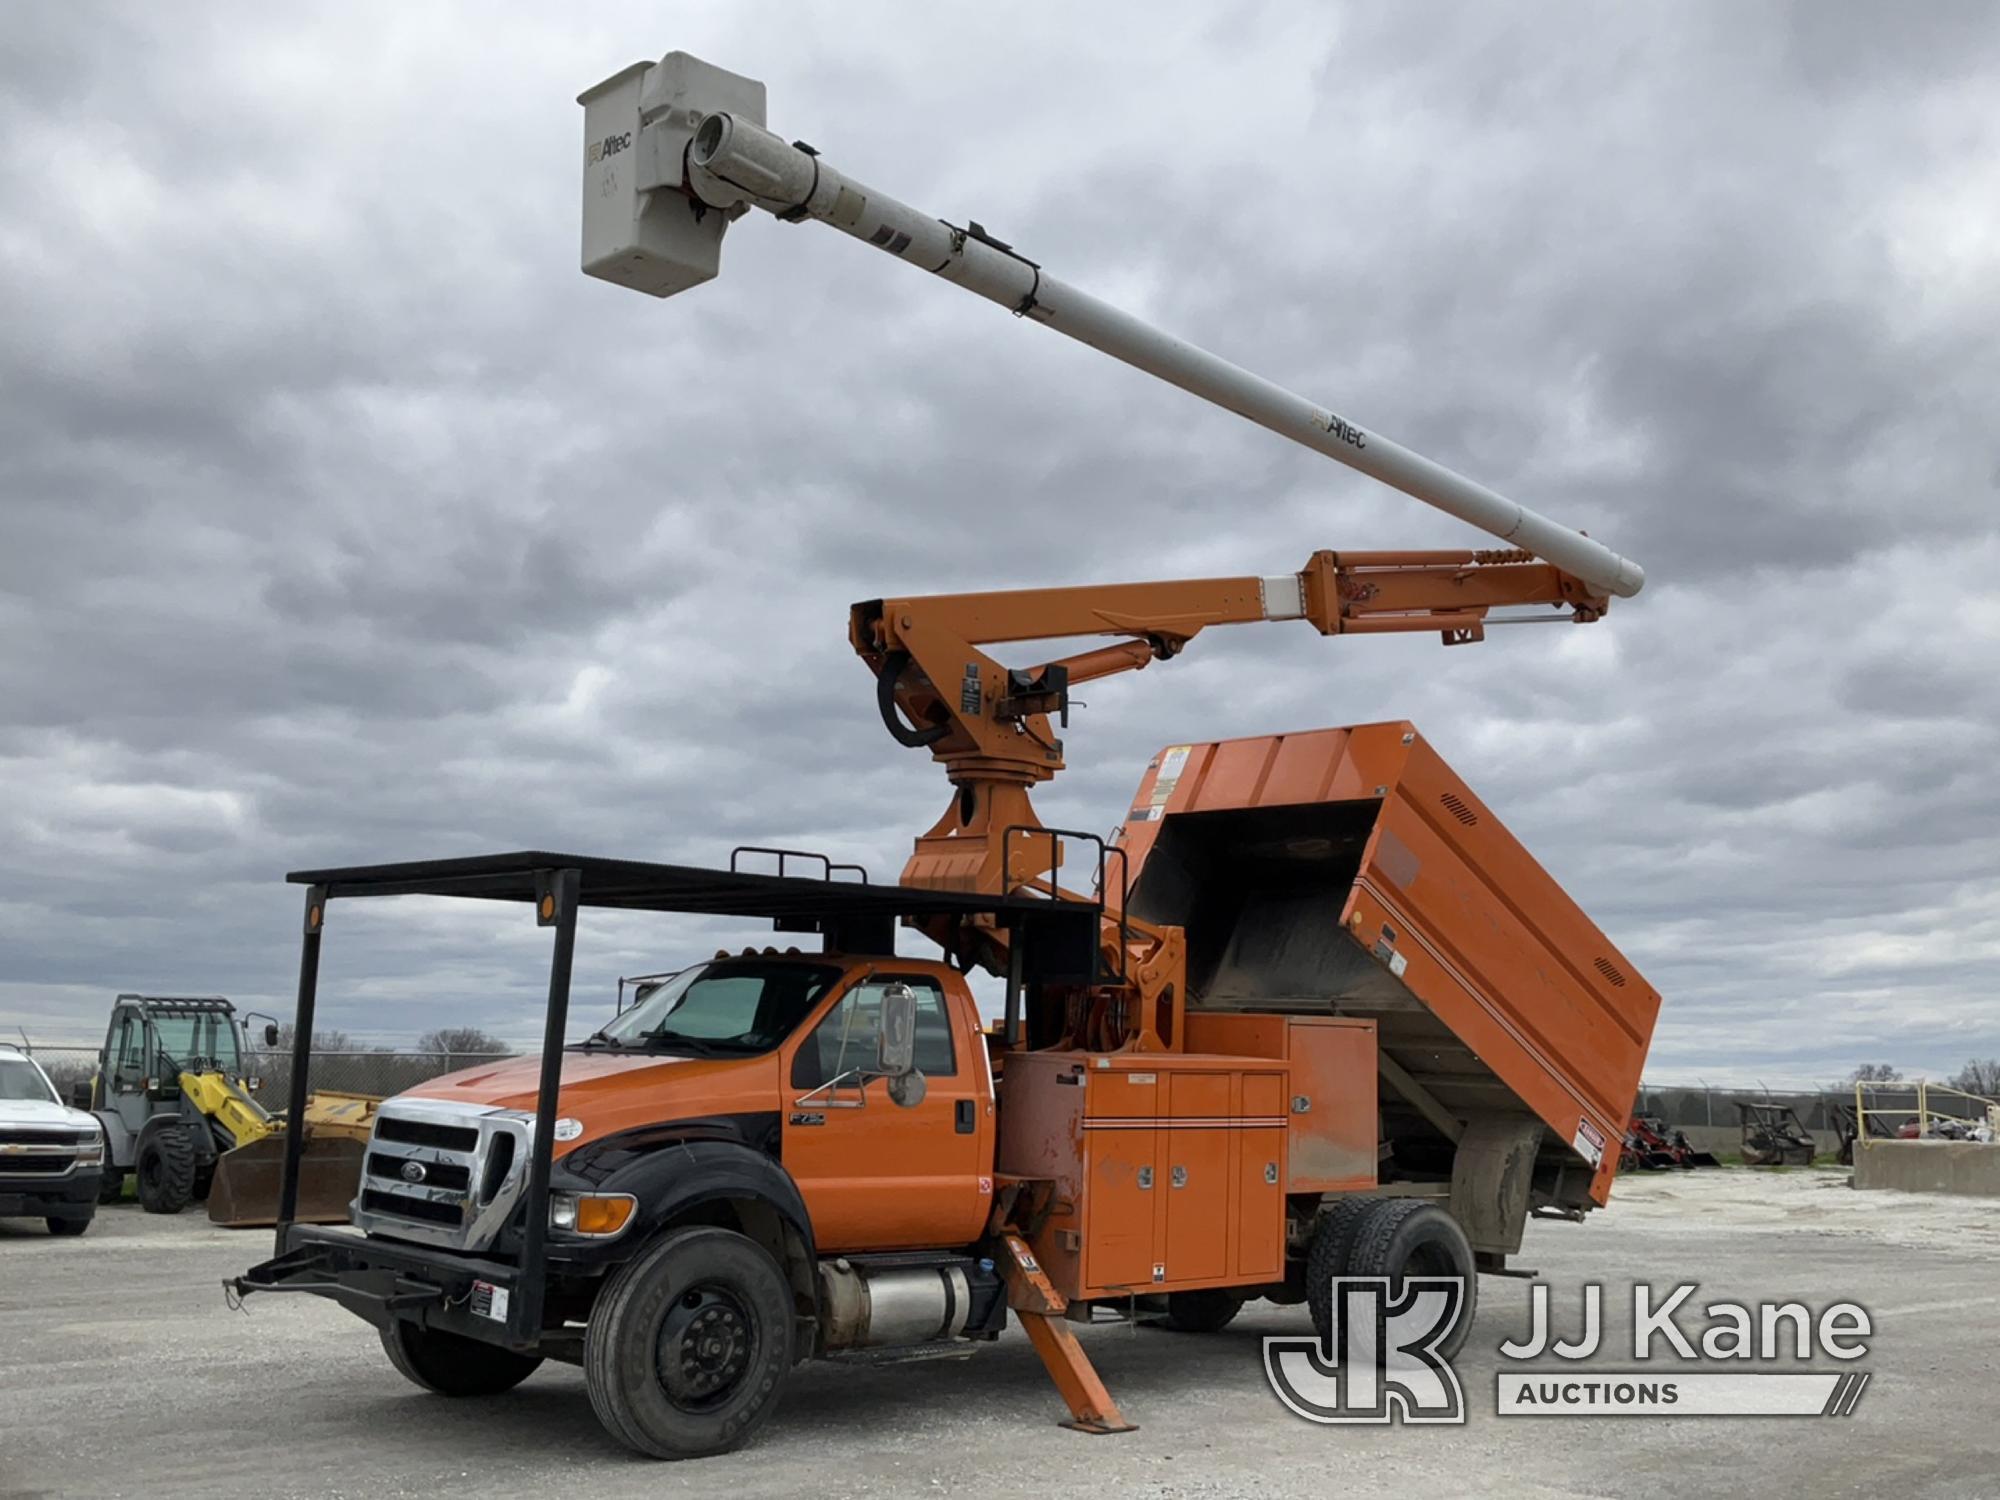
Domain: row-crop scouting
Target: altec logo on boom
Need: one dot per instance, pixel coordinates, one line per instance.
(1384, 1366)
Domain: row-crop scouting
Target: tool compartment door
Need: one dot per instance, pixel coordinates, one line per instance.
(1198, 1175)
(1332, 1109)
(1121, 1191)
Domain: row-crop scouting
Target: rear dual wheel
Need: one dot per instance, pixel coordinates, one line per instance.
(1393, 1238)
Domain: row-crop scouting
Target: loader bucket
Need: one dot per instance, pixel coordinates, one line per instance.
(244, 1192)
(1701, 1159)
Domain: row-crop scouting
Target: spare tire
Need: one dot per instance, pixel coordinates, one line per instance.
(166, 1171)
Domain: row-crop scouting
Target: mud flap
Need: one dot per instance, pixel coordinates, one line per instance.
(244, 1193)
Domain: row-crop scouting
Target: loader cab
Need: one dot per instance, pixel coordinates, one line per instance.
(151, 1042)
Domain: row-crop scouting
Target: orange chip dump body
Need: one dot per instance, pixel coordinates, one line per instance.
(1351, 872)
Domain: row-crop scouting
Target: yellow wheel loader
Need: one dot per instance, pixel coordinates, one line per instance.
(180, 1117)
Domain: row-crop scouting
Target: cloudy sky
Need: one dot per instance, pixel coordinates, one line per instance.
(341, 518)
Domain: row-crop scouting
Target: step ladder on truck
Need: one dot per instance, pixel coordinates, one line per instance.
(1313, 1013)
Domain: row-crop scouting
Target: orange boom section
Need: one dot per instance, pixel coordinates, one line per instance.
(1351, 872)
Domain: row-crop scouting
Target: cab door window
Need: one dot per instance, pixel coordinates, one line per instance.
(844, 1040)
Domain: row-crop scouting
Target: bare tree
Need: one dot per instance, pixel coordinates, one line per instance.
(322, 1041)
(461, 1041)
(1875, 1073)
(1980, 1075)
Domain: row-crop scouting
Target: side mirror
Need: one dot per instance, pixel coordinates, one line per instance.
(271, 1034)
(896, 1045)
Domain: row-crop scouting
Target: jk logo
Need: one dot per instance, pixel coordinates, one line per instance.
(1383, 1364)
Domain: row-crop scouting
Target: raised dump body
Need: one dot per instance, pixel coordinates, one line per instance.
(1351, 872)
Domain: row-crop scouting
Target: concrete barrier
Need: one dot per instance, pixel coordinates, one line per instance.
(1968, 1168)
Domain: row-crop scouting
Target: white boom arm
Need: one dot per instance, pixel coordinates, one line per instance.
(675, 151)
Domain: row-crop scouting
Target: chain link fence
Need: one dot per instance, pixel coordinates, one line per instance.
(376, 1073)
(1818, 1109)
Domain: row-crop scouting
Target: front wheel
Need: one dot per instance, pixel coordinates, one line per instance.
(688, 1347)
(166, 1171)
(452, 1364)
(69, 1226)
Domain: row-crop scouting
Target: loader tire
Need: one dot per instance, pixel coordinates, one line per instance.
(111, 1186)
(1400, 1237)
(688, 1347)
(166, 1171)
(1208, 1311)
(1332, 1246)
(451, 1364)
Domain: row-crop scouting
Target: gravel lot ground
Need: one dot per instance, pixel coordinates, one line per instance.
(122, 1373)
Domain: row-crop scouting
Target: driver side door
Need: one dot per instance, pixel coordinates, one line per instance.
(876, 1175)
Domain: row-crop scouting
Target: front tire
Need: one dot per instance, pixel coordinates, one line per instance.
(166, 1171)
(689, 1345)
(111, 1186)
(67, 1227)
(451, 1364)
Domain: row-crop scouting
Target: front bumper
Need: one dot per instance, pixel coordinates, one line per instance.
(380, 1282)
(73, 1195)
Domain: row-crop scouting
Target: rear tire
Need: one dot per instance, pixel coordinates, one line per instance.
(1332, 1246)
(166, 1171)
(450, 1364)
(66, 1227)
(688, 1347)
(1207, 1311)
(1399, 1237)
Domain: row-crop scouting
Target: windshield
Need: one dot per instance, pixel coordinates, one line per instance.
(204, 1036)
(21, 1081)
(732, 1005)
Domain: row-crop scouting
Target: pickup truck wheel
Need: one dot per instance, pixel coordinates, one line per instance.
(166, 1171)
(1207, 1311)
(452, 1364)
(69, 1226)
(1327, 1256)
(1398, 1237)
(689, 1344)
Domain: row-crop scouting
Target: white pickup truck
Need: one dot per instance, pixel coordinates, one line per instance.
(51, 1156)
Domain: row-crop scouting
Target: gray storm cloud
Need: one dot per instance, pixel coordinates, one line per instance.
(342, 519)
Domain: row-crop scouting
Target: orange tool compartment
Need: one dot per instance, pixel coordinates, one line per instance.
(1351, 873)
(1329, 1093)
(1169, 1168)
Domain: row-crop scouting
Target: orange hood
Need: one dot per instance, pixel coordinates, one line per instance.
(611, 1091)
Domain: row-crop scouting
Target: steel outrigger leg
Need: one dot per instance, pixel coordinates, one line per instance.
(1040, 1308)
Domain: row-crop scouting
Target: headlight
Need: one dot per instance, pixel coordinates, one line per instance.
(594, 1215)
(92, 1154)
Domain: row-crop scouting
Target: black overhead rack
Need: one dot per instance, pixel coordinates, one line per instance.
(1055, 941)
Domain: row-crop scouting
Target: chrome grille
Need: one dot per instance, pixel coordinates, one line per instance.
(442, 1173)
(44, 1151)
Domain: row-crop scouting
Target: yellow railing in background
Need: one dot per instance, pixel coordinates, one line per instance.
(1923, 1112)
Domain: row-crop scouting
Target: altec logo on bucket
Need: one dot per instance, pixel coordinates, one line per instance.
(1384, 1363)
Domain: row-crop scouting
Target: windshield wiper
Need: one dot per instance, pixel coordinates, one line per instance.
(601, 1038)
(701, 1046)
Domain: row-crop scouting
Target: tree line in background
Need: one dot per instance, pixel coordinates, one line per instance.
(1980, 1075)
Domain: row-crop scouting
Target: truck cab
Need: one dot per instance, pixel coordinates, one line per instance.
(748, 1060)
(50, 1155)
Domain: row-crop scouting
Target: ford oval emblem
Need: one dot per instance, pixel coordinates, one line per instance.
(413, 1171)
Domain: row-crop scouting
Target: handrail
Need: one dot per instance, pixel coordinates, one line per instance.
(1923, 1112)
